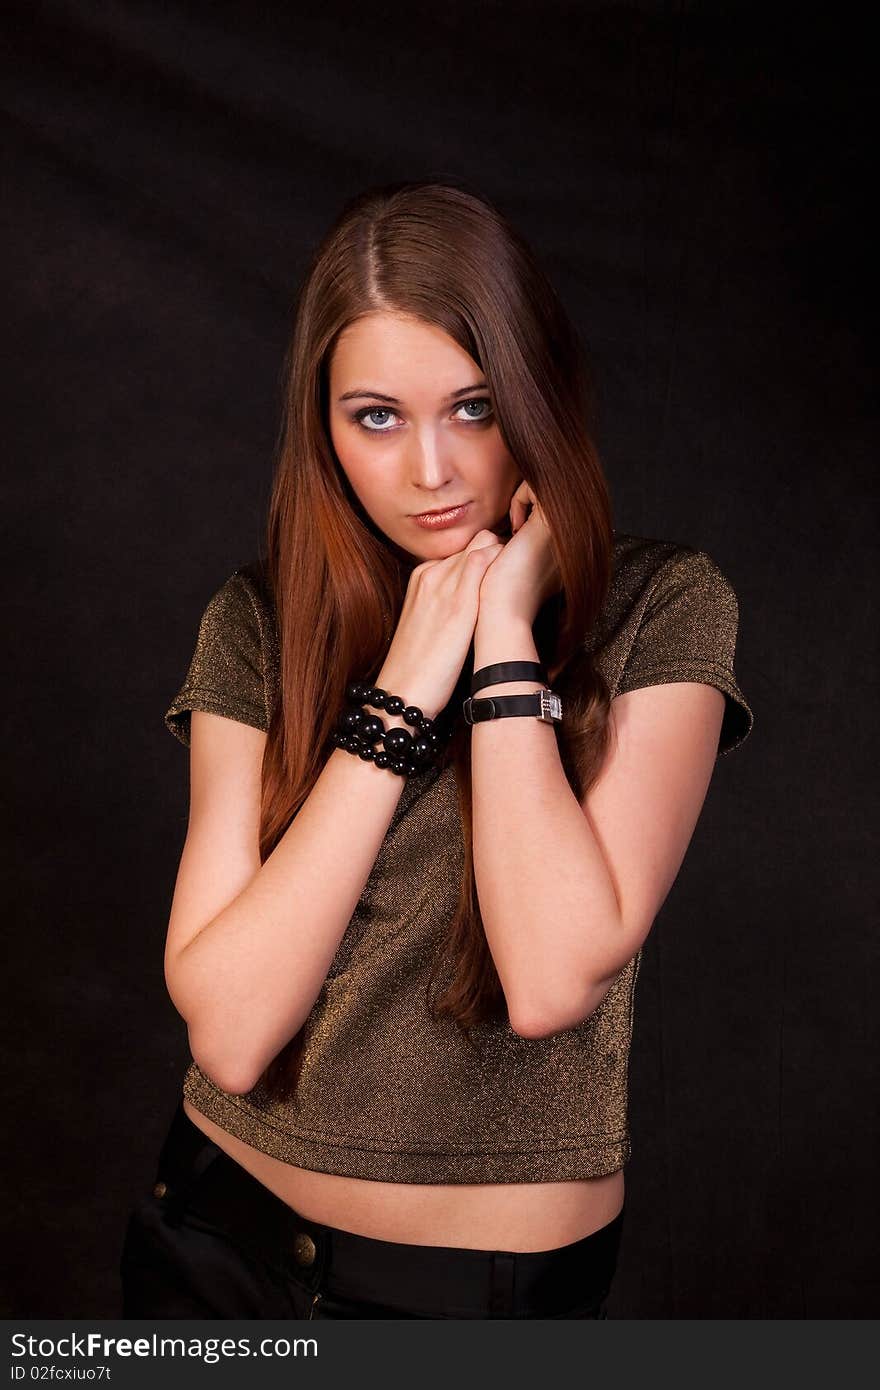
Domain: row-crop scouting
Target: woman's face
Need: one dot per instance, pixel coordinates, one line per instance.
(413, 428)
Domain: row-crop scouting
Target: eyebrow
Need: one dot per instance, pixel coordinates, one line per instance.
(361, 391)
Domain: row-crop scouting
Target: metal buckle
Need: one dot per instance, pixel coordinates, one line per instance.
(478, 717)
(551, 706)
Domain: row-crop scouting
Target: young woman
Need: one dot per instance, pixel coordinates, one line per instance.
(449, 740)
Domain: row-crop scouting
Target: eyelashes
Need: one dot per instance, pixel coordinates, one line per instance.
(360, 416)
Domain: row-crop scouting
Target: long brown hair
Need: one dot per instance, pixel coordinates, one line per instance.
(442, 253)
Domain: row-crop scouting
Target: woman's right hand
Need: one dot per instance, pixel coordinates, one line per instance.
(437, 624)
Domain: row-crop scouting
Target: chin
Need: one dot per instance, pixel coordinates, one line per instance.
(445, 543)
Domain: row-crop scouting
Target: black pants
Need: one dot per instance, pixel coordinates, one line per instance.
(210, 1241)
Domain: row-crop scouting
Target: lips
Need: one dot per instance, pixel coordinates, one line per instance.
(441, 511)
(437, 520)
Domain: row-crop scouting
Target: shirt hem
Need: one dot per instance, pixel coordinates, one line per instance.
(590, 1158)
(178, 715)
(738, 718)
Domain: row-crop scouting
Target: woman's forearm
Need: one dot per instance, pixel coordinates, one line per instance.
(247, 981)
(549, 908)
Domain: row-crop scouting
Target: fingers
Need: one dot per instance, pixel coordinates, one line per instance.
(520, 505)
(481, 540)
(480, 558)
(519, 512)
(483, 555)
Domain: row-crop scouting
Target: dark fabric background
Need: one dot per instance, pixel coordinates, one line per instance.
(692, 177)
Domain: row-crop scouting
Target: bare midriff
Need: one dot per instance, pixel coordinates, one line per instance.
(480, 1216)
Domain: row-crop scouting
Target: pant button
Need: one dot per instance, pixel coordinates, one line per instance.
(160, 1189)
(304, 1249)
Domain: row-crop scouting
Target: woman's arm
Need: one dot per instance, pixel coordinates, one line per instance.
(569, 892)
(249, 946)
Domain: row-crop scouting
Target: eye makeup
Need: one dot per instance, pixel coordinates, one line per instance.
(359, 416)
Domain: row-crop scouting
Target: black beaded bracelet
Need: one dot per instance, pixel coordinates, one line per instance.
(357, 732)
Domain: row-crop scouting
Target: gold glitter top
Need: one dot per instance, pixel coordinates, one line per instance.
(386, 1092)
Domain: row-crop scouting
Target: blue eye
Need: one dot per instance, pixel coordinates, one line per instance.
(362, 416)
(478, 400)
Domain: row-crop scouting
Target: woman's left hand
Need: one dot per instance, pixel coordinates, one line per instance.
(524, 574)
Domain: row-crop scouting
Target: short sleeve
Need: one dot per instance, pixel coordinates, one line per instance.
(226, 672)
(688, 632)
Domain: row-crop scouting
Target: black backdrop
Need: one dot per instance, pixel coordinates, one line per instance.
(692, 176)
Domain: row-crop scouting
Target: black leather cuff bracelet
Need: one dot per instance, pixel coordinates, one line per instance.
(545, 705)
(507, 671)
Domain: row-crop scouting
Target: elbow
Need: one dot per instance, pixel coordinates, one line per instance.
(530, 1028)
(541, 1026)
(536, 1023)
(233, 1084)
(544, 1014)
(547, 1022)
(211, 1056)
(226, 1073)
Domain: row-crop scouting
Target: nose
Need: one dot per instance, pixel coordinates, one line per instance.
(429, 464)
